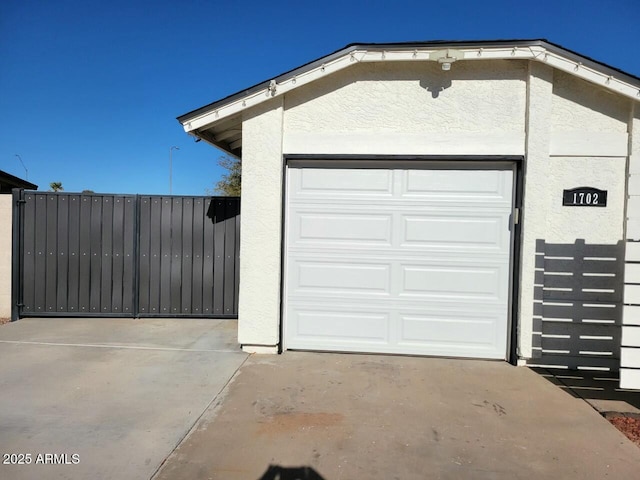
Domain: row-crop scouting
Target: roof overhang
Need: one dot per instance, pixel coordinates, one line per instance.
(220, 123)
(8, 182)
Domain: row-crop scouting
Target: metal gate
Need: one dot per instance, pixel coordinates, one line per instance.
(125, 255)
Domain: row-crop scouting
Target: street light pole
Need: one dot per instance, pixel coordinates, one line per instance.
(26, 172)
(171, 149)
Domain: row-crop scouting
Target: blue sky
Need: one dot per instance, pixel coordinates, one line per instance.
(89, 90)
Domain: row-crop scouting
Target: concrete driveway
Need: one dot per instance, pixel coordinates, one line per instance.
(111, 398)
(331, 416)
(176, 399)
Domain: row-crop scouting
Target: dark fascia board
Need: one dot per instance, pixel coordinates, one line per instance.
(554, 47)
(258, 86)
(16, 182)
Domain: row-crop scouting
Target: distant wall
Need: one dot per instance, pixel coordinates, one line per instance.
(5, 256)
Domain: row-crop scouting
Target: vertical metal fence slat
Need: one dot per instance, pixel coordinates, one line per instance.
(62, 253)
(236, 253)
(165, 257)
(155, 258)
(218, 248)
(73, 251)
(106, 252)
(130, 256)
(175, 235)
(96, 254)
(117, 255)
(85, 254)
(186, 265)
(51, 251)
(40, 254)
(199, 220)
(144, 253)
(229, 257)
(208, 296)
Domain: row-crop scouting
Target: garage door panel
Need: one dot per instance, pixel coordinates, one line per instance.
(421, 230)
(398, 261)
(449, 306)
(477, 184)
(342, 277)
(342, 326)
(341, 228)
(416, 333)
(338, 182)
(460, 283)
(423, 278)
(450, 333)
(455, 231)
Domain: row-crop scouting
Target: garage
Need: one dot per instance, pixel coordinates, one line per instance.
(462, 198)
(412, 260)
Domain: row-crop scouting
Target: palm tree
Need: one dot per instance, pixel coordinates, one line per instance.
(56, 186)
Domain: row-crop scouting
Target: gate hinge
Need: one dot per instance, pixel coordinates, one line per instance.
(21, 201)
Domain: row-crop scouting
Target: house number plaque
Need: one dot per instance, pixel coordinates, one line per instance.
(584, 197)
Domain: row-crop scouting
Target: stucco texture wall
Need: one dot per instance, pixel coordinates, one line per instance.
(412, 97)
(592, 224)
(5, 255)
(581, 106)
(410, 108)
(485, 107)
(261, 224)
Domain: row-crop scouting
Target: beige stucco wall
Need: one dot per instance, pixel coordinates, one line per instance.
(594, 225)
(534, 215)
(581, 106)
(5, 255)
(485, 107)
(261, 219)
(410, 97)
(410, 108)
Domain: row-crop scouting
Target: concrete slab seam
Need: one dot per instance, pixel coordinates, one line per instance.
(128, 347)
(197, 420)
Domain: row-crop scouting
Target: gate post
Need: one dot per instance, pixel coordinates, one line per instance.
(16, 253)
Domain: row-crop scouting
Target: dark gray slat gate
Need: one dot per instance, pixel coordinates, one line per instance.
(125, 255)
(189, 260)
(68, 254)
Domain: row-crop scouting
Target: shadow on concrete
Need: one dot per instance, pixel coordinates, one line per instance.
(276, 472)
(601, 390)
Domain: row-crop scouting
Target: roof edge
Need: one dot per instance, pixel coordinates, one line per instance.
(551, 47)
(17, 182)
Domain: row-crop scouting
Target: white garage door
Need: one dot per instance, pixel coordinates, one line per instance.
(413, 261)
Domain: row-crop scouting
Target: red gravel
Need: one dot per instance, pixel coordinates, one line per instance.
(629, 426)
